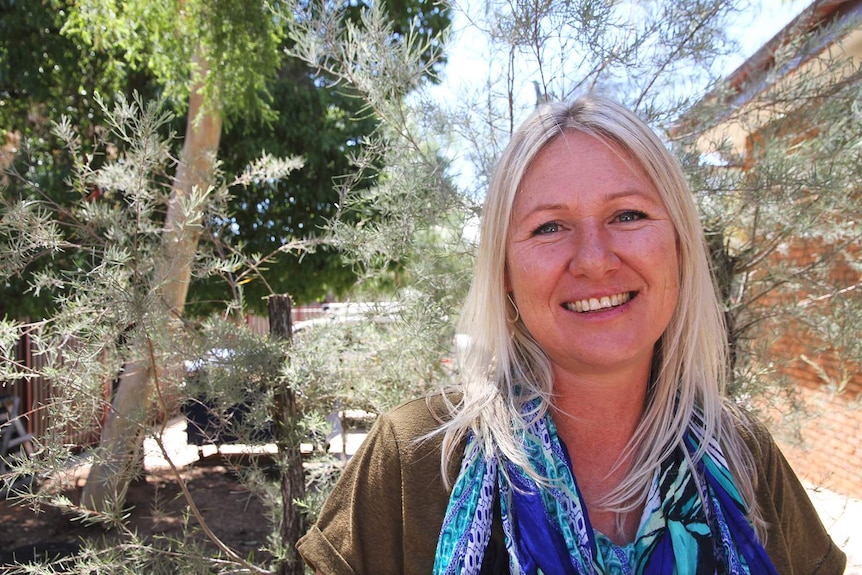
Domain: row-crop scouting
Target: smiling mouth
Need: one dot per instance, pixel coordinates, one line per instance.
(595, 304)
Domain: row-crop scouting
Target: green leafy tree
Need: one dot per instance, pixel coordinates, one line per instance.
(286, 111)
(121, 244)
(326, 121)
(43, 75)
(326, 126)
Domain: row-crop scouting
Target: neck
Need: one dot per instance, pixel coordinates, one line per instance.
(609, 403)
(596, 419)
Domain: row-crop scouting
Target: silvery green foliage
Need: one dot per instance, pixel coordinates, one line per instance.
(655, 57)
(107, 313)
(782, 215)
(412, 190)
(102, 294)
(413, 253)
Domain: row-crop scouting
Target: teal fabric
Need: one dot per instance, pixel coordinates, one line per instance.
(617, 559)
(547, 527)
(470, 511)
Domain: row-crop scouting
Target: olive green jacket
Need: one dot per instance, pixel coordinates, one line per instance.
(385, 513)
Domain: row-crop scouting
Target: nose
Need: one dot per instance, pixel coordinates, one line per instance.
(593, 253)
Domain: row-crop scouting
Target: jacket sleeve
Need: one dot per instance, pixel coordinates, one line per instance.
(384, 515)
(797, 542)
(359, 527)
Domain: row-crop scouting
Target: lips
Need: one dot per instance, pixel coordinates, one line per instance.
(598, 303)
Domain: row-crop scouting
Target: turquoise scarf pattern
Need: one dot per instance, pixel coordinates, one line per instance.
(547, 528)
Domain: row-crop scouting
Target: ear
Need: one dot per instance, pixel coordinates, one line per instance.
(507, 285)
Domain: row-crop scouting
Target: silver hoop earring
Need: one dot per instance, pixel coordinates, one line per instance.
(509, 320)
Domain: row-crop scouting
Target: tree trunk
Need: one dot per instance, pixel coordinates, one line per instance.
(288, 438)
(195, 172)
(120, 446)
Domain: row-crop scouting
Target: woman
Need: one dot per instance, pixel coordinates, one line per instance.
(589, 433)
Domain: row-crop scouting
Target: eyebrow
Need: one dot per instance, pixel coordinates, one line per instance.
(628, 193)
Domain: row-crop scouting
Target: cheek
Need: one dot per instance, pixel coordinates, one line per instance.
(657, 260)
(525, 269)
(663, 251)
(513, 272)
(672, 280)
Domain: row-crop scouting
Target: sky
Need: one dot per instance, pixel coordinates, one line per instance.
(467, 64)
(768, 18)
(752, 29)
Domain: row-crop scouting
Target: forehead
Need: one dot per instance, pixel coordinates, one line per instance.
(578, 158)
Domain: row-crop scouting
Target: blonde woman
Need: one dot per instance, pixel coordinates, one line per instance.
(589, 433)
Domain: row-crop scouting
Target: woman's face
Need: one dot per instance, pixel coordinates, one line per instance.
(591, 257)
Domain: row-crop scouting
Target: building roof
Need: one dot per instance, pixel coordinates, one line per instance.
(754, 75)
(834, 19)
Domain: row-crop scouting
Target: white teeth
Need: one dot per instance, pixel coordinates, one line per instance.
(594, 304)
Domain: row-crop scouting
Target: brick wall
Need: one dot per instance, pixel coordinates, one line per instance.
(821, 433)
(824, 442)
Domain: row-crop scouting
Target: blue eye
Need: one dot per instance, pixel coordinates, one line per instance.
(630, 216)
(547, 228)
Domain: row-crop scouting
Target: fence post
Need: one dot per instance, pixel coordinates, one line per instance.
(288, 436)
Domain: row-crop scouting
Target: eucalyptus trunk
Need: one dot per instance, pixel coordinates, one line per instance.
(122, 435)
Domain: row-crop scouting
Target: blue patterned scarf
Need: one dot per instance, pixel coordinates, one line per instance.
(547, 530)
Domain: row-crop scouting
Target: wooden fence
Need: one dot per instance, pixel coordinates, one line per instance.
(36, 393)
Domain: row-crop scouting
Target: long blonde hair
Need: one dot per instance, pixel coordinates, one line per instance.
(502, 368)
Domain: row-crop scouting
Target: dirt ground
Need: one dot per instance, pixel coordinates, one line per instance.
(236, 516)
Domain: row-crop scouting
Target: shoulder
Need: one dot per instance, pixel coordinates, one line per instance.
(753, 433)
(406, 441)
(412, 432)
(417, 417)
(385, 512)
(797, 541)
(772, 474)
